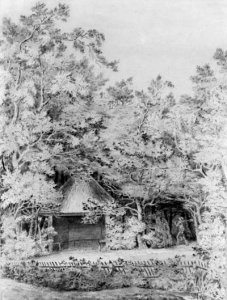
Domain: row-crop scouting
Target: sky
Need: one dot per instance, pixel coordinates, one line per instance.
(148, 37)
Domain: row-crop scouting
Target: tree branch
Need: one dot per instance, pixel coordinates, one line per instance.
(36, 28)
(29, 148)
(132, 209)
(41, 92)
(29, 37)
(148, 204)
(16, 105)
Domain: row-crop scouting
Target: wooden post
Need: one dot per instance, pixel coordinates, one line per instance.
(50, 237)
(107, 224)
(106, 231)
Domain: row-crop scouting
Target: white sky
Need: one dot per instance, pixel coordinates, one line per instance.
(149, 37)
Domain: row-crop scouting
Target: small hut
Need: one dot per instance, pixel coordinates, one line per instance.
(67, 220)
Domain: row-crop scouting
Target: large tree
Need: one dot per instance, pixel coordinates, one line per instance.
(137, 146)
(50, 83)
(201, 137)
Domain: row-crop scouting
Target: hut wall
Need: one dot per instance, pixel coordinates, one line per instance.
(73, 233)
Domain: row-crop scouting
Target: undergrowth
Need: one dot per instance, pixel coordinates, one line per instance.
(168, 276)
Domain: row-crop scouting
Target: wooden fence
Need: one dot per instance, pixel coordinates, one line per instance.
(148, 268)
(193, 272)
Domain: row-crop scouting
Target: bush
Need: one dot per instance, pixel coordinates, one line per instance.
(23, 247)
(167, 275)
(160, 237)
(18, 243)
(89, 279)
(123, 235)
(201, 253)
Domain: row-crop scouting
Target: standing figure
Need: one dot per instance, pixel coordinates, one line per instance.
(162, 231)
(181, 230)
(168, 237)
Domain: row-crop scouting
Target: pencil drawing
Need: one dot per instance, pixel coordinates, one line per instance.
(113, 148)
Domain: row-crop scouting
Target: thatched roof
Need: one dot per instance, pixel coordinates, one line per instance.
(77, 192)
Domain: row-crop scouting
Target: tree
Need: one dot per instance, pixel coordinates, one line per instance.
(154, 148)
(49, 83)
(212, 132)
(204, 119)
(135, 145)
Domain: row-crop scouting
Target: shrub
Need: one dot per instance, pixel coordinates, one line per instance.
(167, 275)
(201, 253)
(123, 235)
(211, 247)
(89, 279)
(18, 243)
(160, 237)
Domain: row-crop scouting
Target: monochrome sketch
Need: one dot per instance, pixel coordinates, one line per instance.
(113, 149)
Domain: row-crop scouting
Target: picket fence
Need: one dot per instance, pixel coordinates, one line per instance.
(148, 268)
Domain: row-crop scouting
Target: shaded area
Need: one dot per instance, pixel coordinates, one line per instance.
(11, 290)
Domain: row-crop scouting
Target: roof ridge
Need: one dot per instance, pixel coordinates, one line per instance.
(101, 187)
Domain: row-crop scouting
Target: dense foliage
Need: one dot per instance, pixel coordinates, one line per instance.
(49, 85)
(146, 148)
(168, 275)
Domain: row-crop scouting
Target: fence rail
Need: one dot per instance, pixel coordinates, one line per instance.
(148, 268)
(193, 272)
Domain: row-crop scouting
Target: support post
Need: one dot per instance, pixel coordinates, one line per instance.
(50, 237)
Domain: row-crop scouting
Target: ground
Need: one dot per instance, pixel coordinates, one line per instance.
(11, 290)
(135, 254)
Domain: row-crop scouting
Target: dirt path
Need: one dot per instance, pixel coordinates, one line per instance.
(12, 290)
(136, 254)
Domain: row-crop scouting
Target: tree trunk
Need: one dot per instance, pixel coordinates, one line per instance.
(39, 230)
(18, 229)
(226, 259)
(195, 214)
(141, 245)
(199, 217)
(139, 210)
(170, 220)
(224, 178)
(31, 227)
(224, 175)
(198, 214)
(196, 225)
